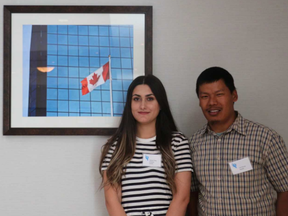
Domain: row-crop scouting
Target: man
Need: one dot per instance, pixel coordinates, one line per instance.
(241, 166)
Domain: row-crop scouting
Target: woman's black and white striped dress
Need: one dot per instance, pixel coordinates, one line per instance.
(144, 189)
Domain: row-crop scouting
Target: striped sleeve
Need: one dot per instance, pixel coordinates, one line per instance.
(108, 157)
(182, 155)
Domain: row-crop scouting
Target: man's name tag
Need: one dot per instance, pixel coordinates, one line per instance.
(240, 166)
(152, 160)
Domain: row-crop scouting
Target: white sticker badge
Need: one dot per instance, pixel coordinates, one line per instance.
(240, 166)
(152, 160)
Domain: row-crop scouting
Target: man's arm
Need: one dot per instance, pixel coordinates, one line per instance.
(277, 171)
(192, 206)
(282, 204)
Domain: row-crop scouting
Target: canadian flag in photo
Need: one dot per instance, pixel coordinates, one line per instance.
(95, 79)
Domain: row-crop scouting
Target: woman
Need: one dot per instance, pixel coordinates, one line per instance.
(146, 165)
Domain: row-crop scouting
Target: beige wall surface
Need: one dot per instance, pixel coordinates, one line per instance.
(57, 175)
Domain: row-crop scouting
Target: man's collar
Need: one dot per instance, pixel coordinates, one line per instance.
(204, 129)
(238, 125)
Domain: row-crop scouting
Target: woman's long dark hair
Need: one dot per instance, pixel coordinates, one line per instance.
(125, 136)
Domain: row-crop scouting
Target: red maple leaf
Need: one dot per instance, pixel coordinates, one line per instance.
(94, 79)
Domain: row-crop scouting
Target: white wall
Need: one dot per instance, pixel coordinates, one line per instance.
(58, 176)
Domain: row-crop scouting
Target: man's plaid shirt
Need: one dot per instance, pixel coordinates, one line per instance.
(248, 193)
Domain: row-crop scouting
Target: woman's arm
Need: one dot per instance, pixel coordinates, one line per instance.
(181, 198)
(113, 199)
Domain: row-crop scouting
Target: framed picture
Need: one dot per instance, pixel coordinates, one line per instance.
(67, 68)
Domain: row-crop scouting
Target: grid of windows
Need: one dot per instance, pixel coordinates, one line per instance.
(75, 51)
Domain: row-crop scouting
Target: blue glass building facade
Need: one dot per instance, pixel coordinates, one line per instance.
(75, 51)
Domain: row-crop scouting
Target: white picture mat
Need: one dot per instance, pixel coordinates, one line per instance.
(18, 20)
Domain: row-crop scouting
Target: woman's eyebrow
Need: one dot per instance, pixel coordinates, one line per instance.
(149, 95)
(136, 95)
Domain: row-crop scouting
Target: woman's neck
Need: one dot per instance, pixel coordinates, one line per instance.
(146, 131)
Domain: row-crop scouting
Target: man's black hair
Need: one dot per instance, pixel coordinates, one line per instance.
(214, 74)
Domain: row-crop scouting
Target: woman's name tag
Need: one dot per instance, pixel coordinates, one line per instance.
(152, 160)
